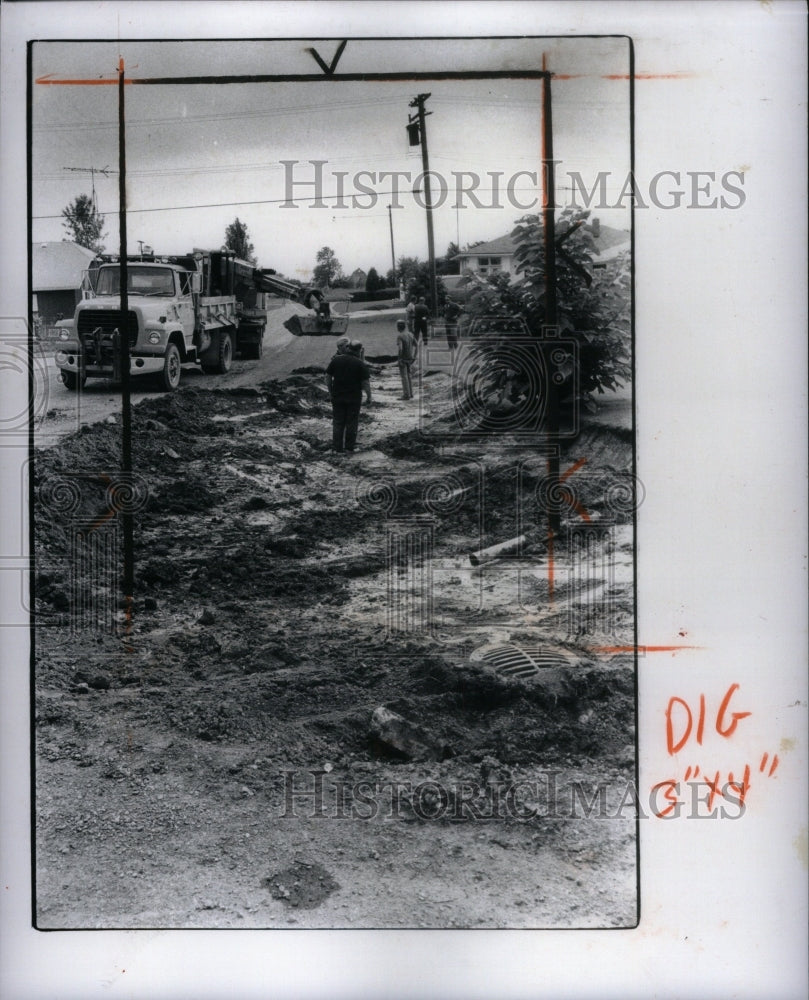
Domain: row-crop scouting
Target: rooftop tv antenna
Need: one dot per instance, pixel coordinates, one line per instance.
(92, 171)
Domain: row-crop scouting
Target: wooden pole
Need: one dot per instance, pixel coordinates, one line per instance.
(428, 200)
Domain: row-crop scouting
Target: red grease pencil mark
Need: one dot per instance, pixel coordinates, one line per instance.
(81, 83)
(640, 649)
(573, 468)
(625, 76)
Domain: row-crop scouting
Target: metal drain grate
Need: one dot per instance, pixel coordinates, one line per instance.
(511, 660)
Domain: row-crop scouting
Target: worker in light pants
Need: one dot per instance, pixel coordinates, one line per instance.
(407, 348)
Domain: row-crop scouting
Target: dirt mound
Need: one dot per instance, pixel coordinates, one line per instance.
(302, 392)
(259, 644)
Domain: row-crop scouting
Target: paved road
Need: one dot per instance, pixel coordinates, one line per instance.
(67, 411)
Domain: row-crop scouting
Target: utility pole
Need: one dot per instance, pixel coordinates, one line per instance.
(392, 251)
(417, 131)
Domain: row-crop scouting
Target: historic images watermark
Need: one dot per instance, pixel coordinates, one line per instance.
(320, 794)
(310, 183)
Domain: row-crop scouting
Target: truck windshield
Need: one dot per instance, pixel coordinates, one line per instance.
(140, 281)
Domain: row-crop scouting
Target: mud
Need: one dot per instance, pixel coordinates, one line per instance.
(259, 645)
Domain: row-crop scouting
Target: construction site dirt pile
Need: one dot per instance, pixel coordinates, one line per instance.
(259, 646)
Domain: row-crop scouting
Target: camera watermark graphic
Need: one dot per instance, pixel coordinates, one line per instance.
(504, 382)
(511, 563)
(84, 593)
(410, 583)
(24, 382)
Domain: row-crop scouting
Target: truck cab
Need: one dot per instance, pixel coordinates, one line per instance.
(162, 323)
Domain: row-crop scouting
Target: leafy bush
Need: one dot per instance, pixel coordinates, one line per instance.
(593, 305)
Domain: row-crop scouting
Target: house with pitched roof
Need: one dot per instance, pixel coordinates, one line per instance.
(497, 256)
(57, 271)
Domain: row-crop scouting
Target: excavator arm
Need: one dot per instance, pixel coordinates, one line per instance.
(267, 280)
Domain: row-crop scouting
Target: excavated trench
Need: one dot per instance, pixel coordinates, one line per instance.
(259, 629)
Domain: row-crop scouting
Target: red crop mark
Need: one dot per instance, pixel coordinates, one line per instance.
(573, 468)
(641, 649)
(625, 76)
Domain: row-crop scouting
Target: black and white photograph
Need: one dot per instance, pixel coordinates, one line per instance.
(334, 486)
(404, 500)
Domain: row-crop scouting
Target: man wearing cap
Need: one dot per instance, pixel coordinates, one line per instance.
(347, 377)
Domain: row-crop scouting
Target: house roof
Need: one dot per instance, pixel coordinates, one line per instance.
(502, 245)
(58, 266)
(607, 239)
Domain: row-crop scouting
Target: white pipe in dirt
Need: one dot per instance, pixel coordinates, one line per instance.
(496, 551)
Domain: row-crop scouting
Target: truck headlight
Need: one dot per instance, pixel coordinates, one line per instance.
(154, 337)
(64, 334)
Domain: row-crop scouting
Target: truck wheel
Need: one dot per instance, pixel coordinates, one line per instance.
(254, 351)
(172, 370)
(73, 381)
(225, 358)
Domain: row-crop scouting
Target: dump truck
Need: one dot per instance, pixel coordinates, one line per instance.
(199, 308)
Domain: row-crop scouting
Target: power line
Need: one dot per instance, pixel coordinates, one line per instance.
(262, 201)
(343, 196)
(226, 168)
(280, 112)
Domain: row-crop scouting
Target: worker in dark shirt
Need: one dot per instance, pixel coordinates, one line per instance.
(347, 377)
(420, 317)
(452, 312)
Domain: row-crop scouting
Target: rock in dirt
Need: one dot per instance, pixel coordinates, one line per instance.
(302, 885)
(402, 735)
(256, 503)
(207, 617)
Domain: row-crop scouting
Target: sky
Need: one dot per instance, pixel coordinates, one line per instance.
(200, 155)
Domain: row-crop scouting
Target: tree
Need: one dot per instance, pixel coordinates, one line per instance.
(414, 274)
(373, 282)
(84, 223)
(408, 271)
(327, 269)
(593, 309)
(447, 264)
(238, 240)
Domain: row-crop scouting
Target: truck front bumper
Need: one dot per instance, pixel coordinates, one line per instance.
(70, 361)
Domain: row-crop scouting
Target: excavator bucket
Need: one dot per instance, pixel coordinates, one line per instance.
(315, 326)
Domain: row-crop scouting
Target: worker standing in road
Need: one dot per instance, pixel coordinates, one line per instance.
(410, 313)
(421, 316)
(408, 347)
(347, 377)
(452, 312)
